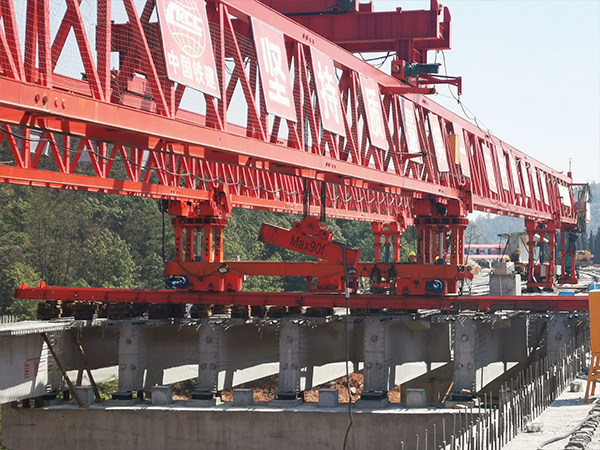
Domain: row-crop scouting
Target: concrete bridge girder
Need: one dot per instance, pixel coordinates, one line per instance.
(23, 367)
(472, 349)
(400, 348)
(562, 328)
(486, 346)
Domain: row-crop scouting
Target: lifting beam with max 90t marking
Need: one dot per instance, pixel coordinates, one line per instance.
(310, 238)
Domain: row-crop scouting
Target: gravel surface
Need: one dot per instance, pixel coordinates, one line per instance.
(587, 275)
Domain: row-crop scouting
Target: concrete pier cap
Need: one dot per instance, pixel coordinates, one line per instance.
(221, 427)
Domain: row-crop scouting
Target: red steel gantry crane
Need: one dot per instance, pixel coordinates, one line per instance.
(284, 118)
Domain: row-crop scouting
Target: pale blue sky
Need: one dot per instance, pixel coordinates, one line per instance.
(531, 74)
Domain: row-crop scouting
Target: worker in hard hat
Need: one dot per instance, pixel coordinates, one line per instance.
(412, 258)
(516, 256)
(439, 260)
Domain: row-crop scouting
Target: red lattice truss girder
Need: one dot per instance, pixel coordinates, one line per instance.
(132, 117)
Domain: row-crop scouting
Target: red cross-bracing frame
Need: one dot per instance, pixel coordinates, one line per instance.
(124, 127)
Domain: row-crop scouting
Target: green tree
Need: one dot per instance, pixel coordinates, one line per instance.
(10, 279)
(151, 272)
(108, 262)
(491, 225)
(410, 242)
(357, 234)
(582, 242)
(58, 232)
(473, 234)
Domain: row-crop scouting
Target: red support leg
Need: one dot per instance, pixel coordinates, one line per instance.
(189, 243)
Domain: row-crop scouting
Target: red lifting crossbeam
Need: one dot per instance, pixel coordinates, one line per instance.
(310, 238)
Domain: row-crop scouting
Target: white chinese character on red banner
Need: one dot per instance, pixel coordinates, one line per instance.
(199, 72)
(209, 74)
(186, 67)
(328, 92)
(273, 66)
(374, 113)
(173, 61)
(274, 70)
(187, 44)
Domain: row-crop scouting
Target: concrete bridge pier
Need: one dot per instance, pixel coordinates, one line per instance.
(465, 371)
(562, 330)
(209, 351)
(313, 351)
(398, 350)
(132, 351)
(292, 357)
(376, 354)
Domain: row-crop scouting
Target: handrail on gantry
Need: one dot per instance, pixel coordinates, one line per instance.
(390, 145)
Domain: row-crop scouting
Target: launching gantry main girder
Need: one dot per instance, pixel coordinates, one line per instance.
(276, 117)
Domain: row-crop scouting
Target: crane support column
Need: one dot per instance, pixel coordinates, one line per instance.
(568, 240)
(391, 233)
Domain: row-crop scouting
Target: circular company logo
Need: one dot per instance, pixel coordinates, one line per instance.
(186, 25)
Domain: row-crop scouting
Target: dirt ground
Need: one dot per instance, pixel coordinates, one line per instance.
(265, 390)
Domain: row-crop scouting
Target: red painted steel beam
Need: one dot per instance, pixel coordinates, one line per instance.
(146, 129)
(293, 7)
(244, 10)
(49, 101)
(487, 303)
(241, 196)
(381, 31)
(241, 201)
(44, 178)
(505, 208)
(310, 268)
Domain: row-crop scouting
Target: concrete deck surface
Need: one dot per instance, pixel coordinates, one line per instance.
(562, 416)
